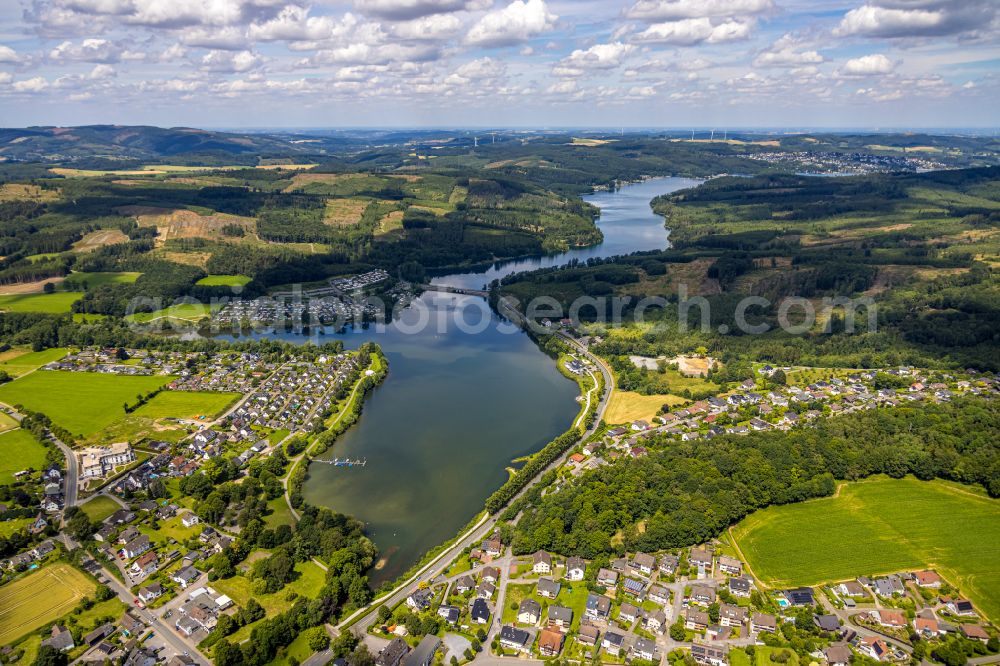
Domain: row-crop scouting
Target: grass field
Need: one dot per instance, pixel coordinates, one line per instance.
(879, 526)
(187, 404)
(81, 402)
(47, 303)
(19, 450)
(238, 588)
(628, 406)
(8, 527)
(187, 312)
(100, 508)
(18, 362)
(223, 281)
(40, 598)
(7, 422)
(93, 280)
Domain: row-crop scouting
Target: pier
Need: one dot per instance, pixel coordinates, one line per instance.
(344, 462)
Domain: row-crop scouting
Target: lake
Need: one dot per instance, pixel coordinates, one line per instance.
(462, 400)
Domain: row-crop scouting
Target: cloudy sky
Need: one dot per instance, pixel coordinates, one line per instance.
(662, 63)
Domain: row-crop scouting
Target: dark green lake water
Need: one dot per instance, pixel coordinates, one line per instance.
(460, 403)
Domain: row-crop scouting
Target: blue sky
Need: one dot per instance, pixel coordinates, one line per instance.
(663, 63)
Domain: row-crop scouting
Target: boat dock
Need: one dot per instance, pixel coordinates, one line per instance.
(344, 462)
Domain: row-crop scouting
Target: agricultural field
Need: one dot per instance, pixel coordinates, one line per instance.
(223, 281)
(19, 450)
(187, 404)
(81, 402)
(17, 362)
(100, 507)
(880, 526)
(47, 303)
(628, 406)
(92, 280)
(40, 598)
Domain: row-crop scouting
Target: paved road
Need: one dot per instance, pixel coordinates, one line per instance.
(164, 630)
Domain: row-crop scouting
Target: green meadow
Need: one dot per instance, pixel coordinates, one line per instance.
(17, 362)
(187, 404)
(81, 402)
(223, 281)
(879, 526)
(92, 280)
(46, 303)
(19, 450)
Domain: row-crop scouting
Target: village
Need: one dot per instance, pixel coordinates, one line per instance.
(645, 608)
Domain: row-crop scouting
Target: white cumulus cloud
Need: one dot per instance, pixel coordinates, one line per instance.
(517, 22)
(876, 64)
(688, 32)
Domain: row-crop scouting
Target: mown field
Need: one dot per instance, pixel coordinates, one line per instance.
(17, 362)
(93, 280)
(187, 404)
(40, 598)
(99, 508)
(81, 402)
(223, 281)
(47, 303)
(19, 450)
(879, 526)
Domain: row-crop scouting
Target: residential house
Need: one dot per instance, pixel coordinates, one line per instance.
(588, 635)
(513, 638)
(827, 622)
(548, 588)
(598, 607)
(800, 596)
(838, 654)
(136, 547)
(633, 587)
(423, 654)
(420, 600)
(889, 586)
(529, 611)
(491, 574)
(607, 577)
(393, 653)
(550, 642)
(927, 579)
(731, 615)
(888, 618)
(874, 647)
(613, 642)
(644, 563)
(959, 606)
(480, 612)
(702, 594)
(464, 584)
(927, 627)
(627, 614)
(701, 558)
(730, 565)
(541, 562)
(654, 622)
(696, 620)
(145, 564)
(974, 632)
(760, 622)
(576, 568)
(189, 519)
(851, 588)
(560, 616)
(60, 638)
(486, 590)
(185, 576)
(668, 564)
(740, 587)
(659, 594)
(493, 547)
(644, 649)
(150, 592)
(709, 655)
(449, 613)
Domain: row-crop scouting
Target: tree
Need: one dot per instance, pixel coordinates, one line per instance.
(677, 631)
(361, 657)
(779, 377)
(383, 614)
(319, 640)
(50, 656)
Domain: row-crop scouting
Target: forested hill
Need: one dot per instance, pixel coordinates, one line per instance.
(686, 493)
